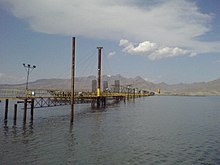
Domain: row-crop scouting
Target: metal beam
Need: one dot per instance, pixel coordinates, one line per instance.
(99, 71)
(72, 79)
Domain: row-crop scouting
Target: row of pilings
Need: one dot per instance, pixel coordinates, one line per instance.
(31, 103)
(99, 102)
(26, 102)
(96, 103)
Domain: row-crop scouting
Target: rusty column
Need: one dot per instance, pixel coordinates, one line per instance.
(25, 111)
(15, 113)
(6, 110)
(72, 79)
(99, 71)
(32, 110)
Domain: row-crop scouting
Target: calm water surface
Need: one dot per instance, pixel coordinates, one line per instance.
(151, 130)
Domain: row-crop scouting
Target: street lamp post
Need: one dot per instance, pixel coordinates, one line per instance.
(28, 68)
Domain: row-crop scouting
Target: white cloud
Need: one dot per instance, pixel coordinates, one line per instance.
(124, 42)
(174, 23)
(111, 54)
(152, 50)
(141, 48)
(145, 47)
(167, 52)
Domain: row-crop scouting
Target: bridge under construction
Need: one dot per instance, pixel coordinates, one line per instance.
(39, 98)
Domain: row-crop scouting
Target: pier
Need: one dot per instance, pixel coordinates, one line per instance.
(40, 98)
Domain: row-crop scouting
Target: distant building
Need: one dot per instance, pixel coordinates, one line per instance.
(94, 86)
(117, 86)
(105, 86)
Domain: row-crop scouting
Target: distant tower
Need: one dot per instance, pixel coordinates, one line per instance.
(158, 90)
(105, 86)
(117, 86)
(94, 86)
(99, 71)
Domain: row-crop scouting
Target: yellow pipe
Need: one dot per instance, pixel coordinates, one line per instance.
(98, 92)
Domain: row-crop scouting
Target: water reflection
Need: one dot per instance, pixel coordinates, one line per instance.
(158, 130)
(25, 129)
(5, 124)
(71, 145)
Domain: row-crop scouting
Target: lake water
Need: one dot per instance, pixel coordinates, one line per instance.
(150, 130)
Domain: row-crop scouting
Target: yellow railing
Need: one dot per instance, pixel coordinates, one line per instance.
(44, 93)
(11, 93)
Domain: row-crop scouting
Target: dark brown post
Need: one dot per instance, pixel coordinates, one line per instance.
(25, 111)
(15, 113)
(32, 110)
(6, 109)
(99, 71)
(72, 79)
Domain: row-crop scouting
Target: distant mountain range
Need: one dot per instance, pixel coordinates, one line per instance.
(85, 84)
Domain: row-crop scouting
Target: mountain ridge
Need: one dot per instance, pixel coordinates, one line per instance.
(85, 84)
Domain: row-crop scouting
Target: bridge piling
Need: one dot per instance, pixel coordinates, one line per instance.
(98, 102)
(103, 102)
(32, 110)
(72, 80)
(6, 110)
(25, 111)
(93, 103)
(15, 113)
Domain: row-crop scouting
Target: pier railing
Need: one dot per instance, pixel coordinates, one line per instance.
(13, 94)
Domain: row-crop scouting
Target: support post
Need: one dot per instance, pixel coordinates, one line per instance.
(72, 79)
(134, 93)
(32, 110)
(103, 102)
(25, 111)
(15, 113)
(6, 110)
(93, 103)
(98, 102)
(99, 71)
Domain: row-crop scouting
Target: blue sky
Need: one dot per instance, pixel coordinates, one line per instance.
(170, 41)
